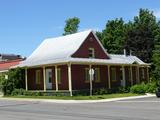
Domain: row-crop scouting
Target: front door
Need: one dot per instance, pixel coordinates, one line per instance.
(48, 79)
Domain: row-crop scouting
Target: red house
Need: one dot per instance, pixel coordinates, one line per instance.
(63, 64)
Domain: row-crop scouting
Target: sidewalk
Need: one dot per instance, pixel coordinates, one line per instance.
(77, 101)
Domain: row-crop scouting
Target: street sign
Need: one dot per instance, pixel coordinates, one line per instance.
(91, 74)
(6, 77)
(91, 71)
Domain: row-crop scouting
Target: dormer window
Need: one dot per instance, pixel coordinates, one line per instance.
(91, 53)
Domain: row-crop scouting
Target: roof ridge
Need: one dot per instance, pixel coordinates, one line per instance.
(68, 35)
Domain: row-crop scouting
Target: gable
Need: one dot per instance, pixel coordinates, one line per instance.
(90, 42)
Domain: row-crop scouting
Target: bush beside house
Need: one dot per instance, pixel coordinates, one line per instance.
(14, 80)
(144, 88)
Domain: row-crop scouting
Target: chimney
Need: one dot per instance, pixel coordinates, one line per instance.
(130, 52)
(125, 52)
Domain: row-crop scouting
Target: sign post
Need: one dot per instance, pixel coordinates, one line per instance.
(91, 77)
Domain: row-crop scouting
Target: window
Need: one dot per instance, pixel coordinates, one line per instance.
(38, 77)
(143, 73)
(91, 53)
(113, 74)
(59, 75)
(129, 73)
(87, 75)
(121, 74)
(50, 76)
(97, 75)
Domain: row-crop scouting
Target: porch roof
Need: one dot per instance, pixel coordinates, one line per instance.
(123, 60)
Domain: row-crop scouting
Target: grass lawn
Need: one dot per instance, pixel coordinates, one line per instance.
(94, 97)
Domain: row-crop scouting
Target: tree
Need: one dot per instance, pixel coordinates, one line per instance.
(141, 35)
(156, 57)
(113, 36)
(71, 26)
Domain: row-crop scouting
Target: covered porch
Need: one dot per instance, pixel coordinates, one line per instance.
(72, 76)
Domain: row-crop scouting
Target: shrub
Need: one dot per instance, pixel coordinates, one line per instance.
(14, 81)
(101, 91)
(144, 88)
(138, 89)
(123, 90)
(151, 87)
(18, 92)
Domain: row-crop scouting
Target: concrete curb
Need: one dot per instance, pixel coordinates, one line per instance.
(77, 101)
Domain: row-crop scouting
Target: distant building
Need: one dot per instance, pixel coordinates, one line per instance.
(8, 60)
(8, 57)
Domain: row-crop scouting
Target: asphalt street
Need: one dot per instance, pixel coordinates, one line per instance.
(135, 109)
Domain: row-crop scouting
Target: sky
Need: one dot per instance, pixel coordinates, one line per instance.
(24, 24)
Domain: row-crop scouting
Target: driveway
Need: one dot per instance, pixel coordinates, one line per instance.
(135, 109)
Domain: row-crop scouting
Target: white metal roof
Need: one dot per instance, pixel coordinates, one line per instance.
(129, 58)
(60, 49)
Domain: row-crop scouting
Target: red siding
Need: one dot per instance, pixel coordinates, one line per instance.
(117, 83)
(134, 70)
(90, 42)
(78, 77)
(103, 77)
(64, 78)
(32, 81)
(127, 76)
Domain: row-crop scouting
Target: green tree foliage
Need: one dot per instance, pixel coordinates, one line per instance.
(156, 58)
(141, 35)
(71, 26)
(15, 80)
(113, 36)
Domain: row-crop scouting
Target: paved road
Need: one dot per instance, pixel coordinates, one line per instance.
(137, 109)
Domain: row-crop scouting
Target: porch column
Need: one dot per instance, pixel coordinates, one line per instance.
(124, 76)
(138, 80)
(109, 77)
(56, 78)
(148, 74)
(26, 79)
(131, 75)
(70, 79)
(44, 78)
